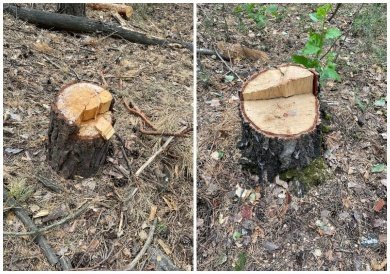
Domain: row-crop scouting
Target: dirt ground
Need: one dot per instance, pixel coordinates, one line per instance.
(159, 80)
(334, 225)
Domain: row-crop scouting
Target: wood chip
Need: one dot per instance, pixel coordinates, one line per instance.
(164, 246)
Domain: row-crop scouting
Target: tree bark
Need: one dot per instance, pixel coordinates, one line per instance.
(76, 148)
(72, 9)
(72, 23)
(267, 153)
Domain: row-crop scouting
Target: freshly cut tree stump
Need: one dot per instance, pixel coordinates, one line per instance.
(280, 115)
(80, 129)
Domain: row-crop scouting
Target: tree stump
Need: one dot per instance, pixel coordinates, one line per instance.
(80, 129)
(72, 9)
(280, 115)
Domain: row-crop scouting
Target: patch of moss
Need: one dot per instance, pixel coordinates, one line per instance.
(326, 129)
(327, 116)
(312, 175)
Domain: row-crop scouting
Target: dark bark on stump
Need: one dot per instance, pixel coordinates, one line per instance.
(72, 9)
(267, 157)
(71, 155)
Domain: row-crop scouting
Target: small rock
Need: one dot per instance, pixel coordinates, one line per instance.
(317, 253)
(270, 246)
(369, 241)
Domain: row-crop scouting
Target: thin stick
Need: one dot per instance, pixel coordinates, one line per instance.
(220, 57)
(343, 34)
(148, 132)
(335, 11)
(162, 148)
(46, 228)
(124, 151)
(144, 248)
(22, 214)
(138, 113)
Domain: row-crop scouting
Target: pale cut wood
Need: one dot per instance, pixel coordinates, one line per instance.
(124, 10)
(284, 116)
(284, 81)
(105, 101)
(104, 127)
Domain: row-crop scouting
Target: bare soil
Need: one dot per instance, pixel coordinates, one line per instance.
(334, 226)
(159, 80)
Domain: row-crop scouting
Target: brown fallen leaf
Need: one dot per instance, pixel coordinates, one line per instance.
(375, 265)
(43, 47)
(153, 211)
(94, 244)
(170, 203)
(379, 205)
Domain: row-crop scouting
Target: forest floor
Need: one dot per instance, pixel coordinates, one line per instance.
(159, 80)
(337, 225)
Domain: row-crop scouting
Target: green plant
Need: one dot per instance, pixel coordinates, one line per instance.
(241, 262)
(20, 191)
(313, 55)
(258, 12)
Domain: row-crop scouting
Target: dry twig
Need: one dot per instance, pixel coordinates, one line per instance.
(220, 57)
(162, 148)
(144, 248)
(37, 231)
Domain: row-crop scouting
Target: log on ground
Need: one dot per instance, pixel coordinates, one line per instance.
(80, 130)
(280, 114)
(56, 21)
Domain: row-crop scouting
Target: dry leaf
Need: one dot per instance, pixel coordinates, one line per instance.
(94, 245)
(170, 203)
(164, 246)
(43, 47)
(41, 213)
(378, 266)
(143, 235)
(379, 205)
(153, 211)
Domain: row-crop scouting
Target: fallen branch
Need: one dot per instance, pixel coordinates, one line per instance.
(50, 20)
(22, 214)
(49, 184)
(144, 248)
(220, 57)
(36, 231)
(149, 132)
(161, 149)
(137, 112)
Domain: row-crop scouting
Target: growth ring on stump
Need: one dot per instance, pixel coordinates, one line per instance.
(280, 115)
(80, 129)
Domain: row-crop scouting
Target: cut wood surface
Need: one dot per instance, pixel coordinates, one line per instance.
(124, 10)
(282, 82)
(80, 127)
(280, 118)
(283, 116)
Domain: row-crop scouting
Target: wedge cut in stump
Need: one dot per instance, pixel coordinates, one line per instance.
(81, 125)
(280, 115)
